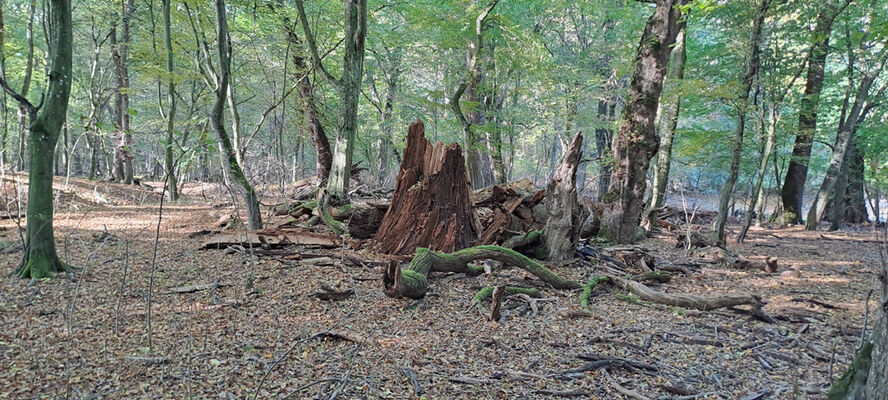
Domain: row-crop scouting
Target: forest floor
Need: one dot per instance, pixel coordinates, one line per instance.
(85, 335)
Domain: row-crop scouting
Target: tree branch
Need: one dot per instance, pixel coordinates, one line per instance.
(32, 110)
(313, 47)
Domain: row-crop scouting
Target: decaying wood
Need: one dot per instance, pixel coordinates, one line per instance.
(496, 303)
(431, 206)
(685, 300)
(272, 238)
(566, 215)
(331, 294)
(413, 281)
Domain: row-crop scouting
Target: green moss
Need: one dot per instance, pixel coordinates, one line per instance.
(486, 292)
(628, 297)
(855, 375)
(587, 290)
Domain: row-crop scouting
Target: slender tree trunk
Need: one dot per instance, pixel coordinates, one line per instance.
(324, 157)
(636, 142)
(40, 259)
(756, 205)
(797, 172)
(217, 120)
(752, 67)
(123, 158)
(26, 86)
(169, 161)
(603, 138)
(467, 87)
(668, 121)
(3, 101)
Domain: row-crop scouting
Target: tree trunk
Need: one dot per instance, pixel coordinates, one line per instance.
(668, 121)
(123, 158)
(228, 153)
(865, 377)
(603, 138)
(752, 68)
(855, 201)
(40, 259)
(169, 161)
(26, 86)
(349, 92)
(636, 142)
(566, 215)
(468, 87)
(431, 206)
(843, 138)
(797, 172)
(756, 205)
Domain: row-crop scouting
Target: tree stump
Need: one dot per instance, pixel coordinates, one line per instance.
(566, 216)
(431, 206)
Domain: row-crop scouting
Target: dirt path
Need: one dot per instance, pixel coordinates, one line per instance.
(65, 338)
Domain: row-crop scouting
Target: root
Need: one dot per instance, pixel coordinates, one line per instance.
(413, 282)
(685, 300)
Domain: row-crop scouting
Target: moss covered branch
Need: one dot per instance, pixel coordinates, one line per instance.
(413, 282)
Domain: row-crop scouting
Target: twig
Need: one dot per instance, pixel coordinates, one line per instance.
(624, 391)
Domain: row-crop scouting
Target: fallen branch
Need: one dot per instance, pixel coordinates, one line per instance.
(685, 300)
(413, 282)
(624, 391)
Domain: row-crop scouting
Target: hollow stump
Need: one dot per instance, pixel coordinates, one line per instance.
(431, 206)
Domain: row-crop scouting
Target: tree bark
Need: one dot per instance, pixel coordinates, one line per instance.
(169, 161)
(349, 87)
(603, 138)
(566, 215)
(468, 87)
(797, 172)
(217, 120)
(752, 67)
(668, 121)
(431, 206)
(636, 142)
(323, 155)
(865, 377)
(123, 158)
(843, 138)
(40, 259)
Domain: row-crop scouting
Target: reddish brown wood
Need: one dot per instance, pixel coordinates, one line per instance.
(431, 206)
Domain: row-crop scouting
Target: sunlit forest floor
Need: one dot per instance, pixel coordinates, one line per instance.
(85, 335)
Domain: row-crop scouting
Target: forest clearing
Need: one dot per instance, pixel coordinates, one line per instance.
(216, 338)
(461, 199)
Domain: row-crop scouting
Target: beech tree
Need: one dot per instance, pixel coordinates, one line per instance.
(752, 67)
(40, 258)
(636, 141)
(797, 172)
(348, 85)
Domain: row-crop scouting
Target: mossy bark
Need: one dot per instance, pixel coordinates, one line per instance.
(40, 258)
(413, 282)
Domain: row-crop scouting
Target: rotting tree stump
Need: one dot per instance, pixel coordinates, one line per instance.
(566, 215)
(431, 206)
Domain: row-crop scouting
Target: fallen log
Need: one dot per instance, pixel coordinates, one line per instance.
(272, 238)
(685, 300)
(413, 281)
